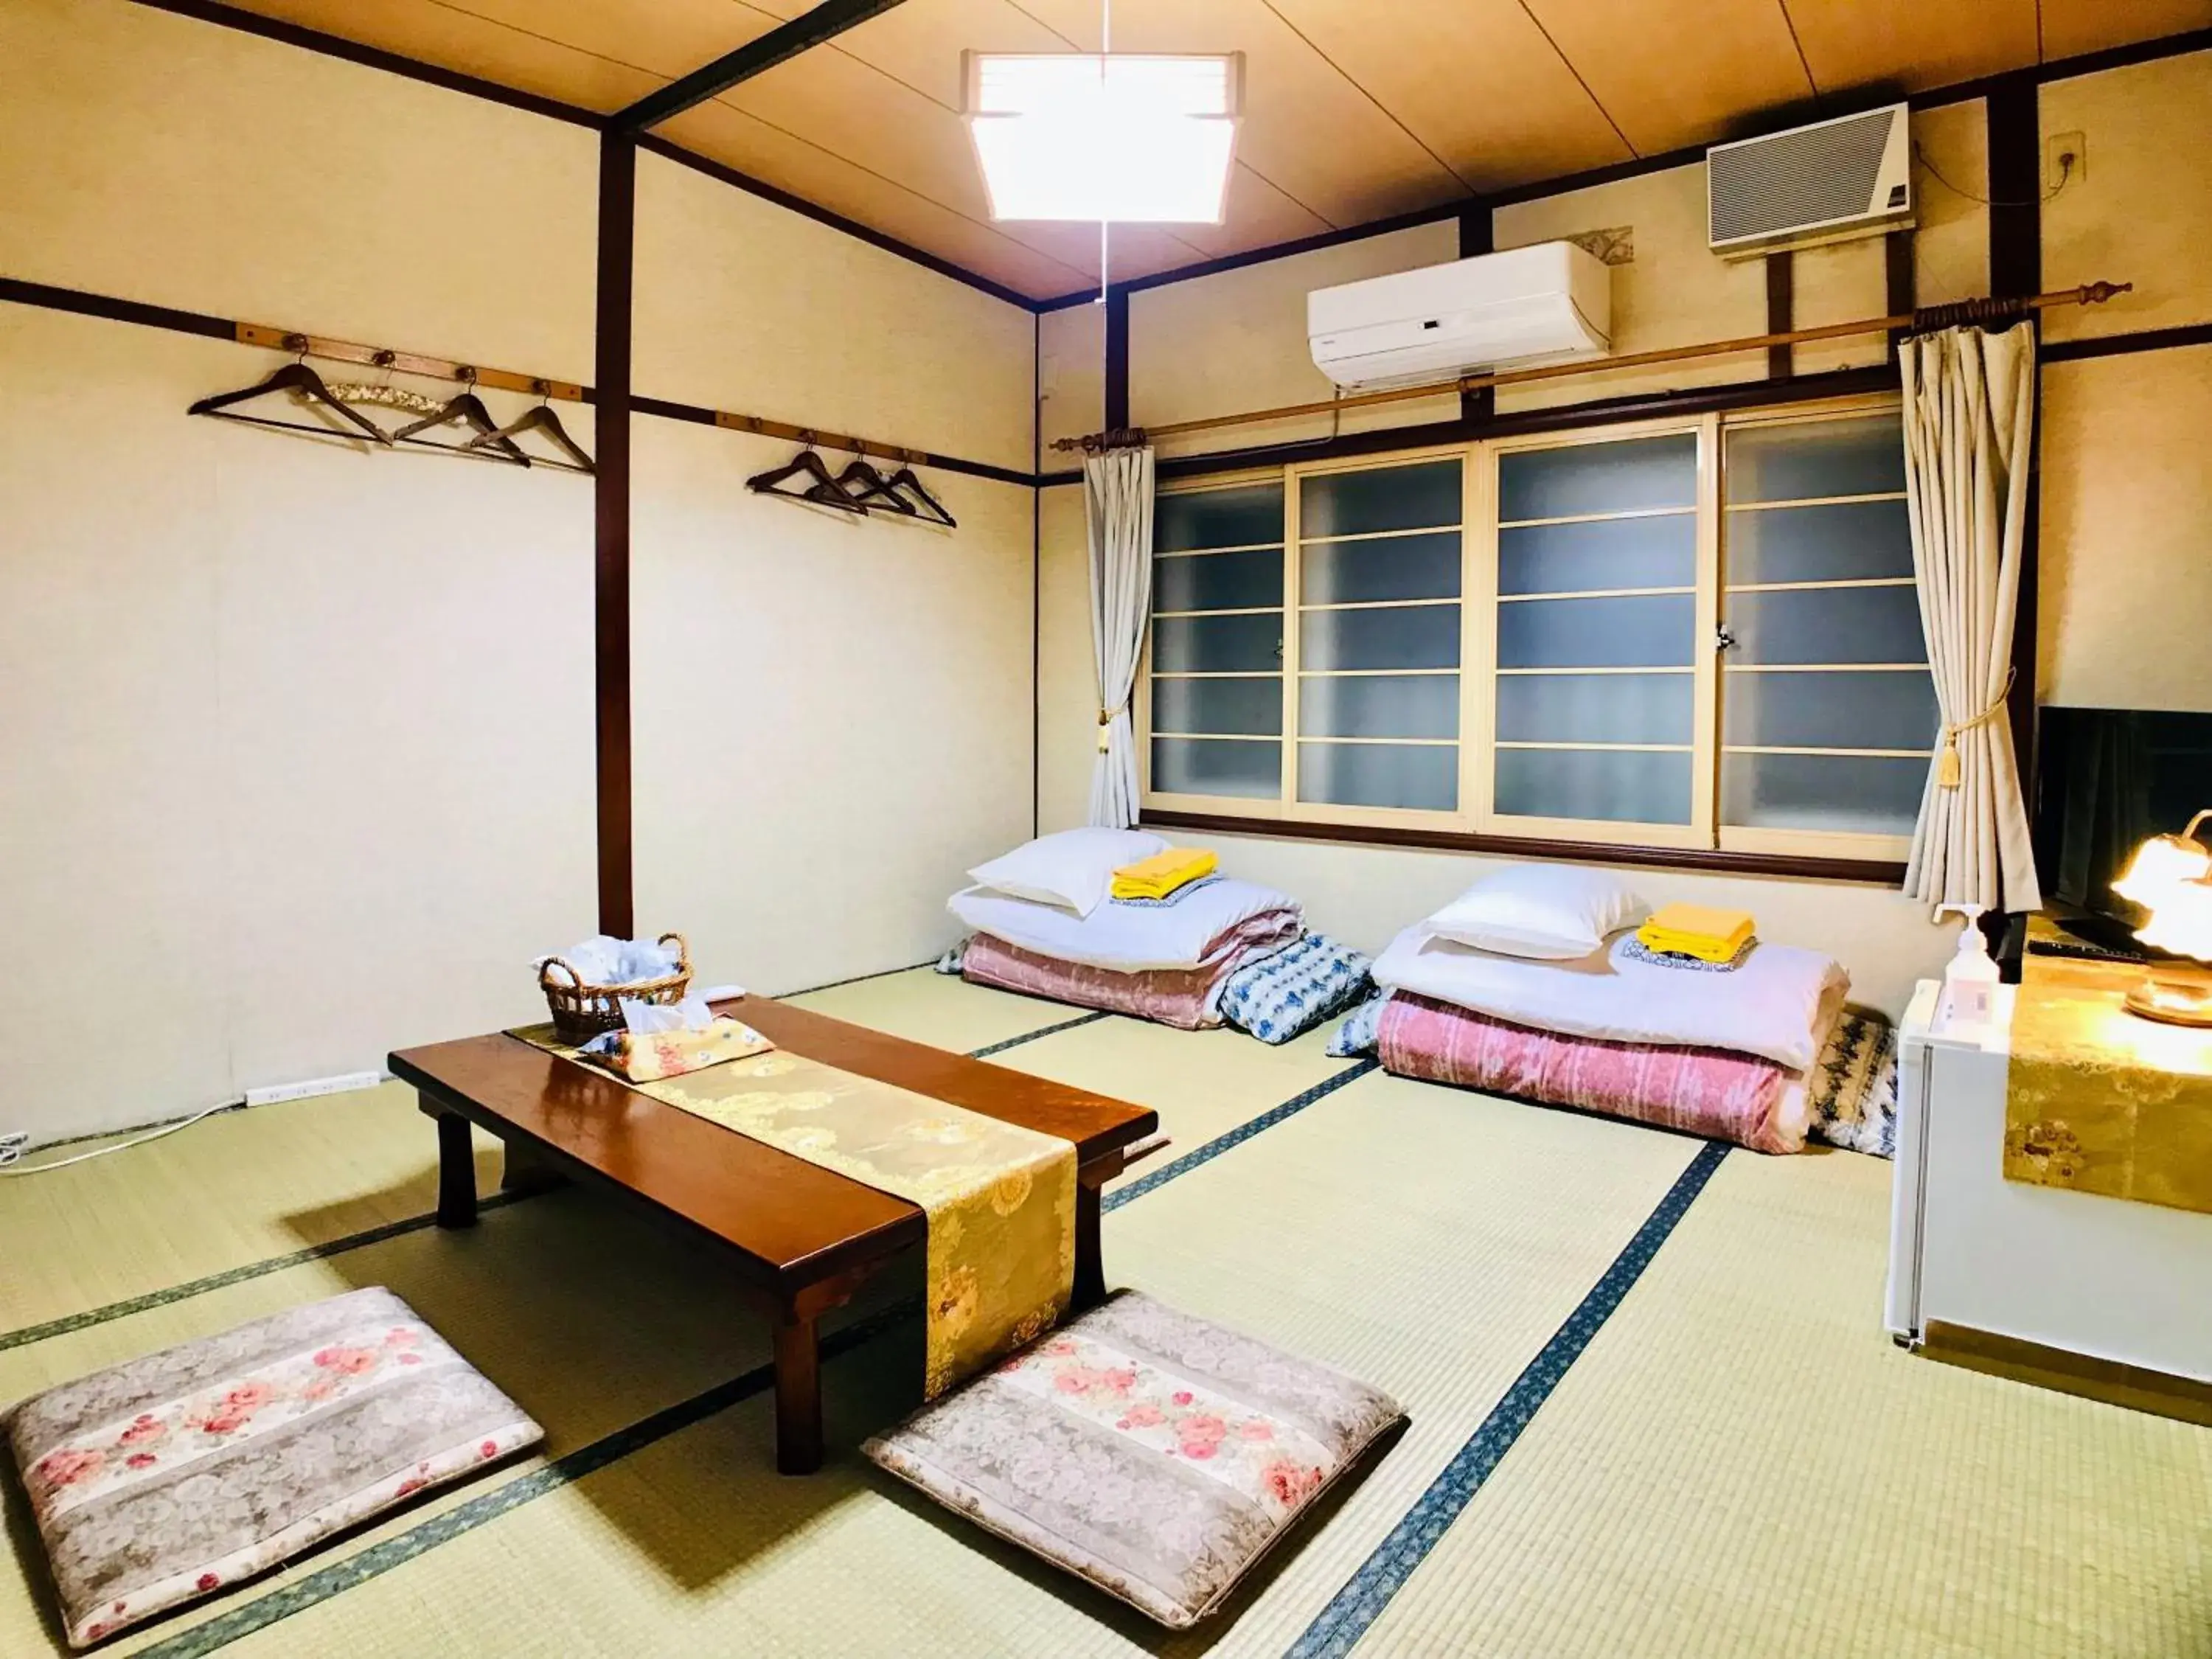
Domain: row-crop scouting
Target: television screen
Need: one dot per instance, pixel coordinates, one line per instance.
(2105, 781)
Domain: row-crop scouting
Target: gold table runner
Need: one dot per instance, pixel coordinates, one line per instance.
(2099, 1100)
(1000, 1198)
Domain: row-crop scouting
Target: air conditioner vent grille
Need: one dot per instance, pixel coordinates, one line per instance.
(1815, 175)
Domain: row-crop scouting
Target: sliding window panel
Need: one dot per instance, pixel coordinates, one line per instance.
(1828, 717)
(1839, 794)
(1214, 710)
(1381, 630)
(1246, 769)
(1597, 697)
(1399, 776)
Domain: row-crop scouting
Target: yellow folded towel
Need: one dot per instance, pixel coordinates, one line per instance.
(648, 1057)
(1163, 872)
(1697, 930)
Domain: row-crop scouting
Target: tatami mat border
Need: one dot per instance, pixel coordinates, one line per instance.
(1237, 1136)
(990, 1048)
(1353, 1608)
(238, 1275)
(378, 1558)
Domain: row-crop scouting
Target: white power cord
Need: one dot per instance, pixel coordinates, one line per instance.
(12, 1144)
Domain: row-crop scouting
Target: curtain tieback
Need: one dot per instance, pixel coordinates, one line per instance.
(1947, 764)
(1105, 719)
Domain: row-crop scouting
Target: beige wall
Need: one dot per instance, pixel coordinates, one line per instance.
(2139, 213)
(299, 747)
(1238, 341)
(1071, 377)
(2126, 555)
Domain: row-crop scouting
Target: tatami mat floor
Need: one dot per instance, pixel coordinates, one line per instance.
(1653, 1410)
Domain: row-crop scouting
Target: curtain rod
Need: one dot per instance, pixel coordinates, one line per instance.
(444, 368)
(1927, 317)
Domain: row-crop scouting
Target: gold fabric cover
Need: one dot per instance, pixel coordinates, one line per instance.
(2099, 1100)
(1000, 1198)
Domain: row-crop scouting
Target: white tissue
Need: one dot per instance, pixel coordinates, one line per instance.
(645, 1018)
(604, 961)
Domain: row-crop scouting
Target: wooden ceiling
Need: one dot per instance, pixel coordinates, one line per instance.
(1355, 109)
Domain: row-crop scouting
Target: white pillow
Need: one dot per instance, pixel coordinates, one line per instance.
(1074, 869)
(1552, 912)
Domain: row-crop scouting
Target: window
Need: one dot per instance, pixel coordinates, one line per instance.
(1700, 634)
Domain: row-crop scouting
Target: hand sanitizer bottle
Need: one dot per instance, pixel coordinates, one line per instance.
(1970, 983)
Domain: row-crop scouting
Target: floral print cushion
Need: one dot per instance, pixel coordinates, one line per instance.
(162, 1480)
(1155, 1454)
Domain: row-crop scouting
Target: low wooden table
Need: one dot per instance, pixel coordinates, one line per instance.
(802, 1239)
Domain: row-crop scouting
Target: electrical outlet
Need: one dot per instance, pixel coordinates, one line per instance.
(2065, 159)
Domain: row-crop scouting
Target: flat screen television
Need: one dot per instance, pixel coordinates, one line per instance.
(2105, 781)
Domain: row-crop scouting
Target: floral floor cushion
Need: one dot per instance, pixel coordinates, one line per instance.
(162, 1480)
(1157, 1455)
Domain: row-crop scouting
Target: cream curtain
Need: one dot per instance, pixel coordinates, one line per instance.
(1969, 424)
(1117, 499)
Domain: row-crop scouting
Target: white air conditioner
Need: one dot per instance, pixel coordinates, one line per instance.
(1529, 305)
(1830, 182)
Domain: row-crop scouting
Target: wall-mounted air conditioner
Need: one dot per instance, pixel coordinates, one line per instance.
(1829, 182)
(1526, 305)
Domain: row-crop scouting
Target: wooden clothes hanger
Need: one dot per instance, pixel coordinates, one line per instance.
(930, 508)
(539, 418)
(297, 377)
(824, 490)
(874, 487)
(469, 407)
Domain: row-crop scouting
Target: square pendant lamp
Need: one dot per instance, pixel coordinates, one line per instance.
(1105, 138)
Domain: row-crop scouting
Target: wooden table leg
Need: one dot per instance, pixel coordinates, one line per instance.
(456, 1172)
(798, 1397)
(1089, 1266)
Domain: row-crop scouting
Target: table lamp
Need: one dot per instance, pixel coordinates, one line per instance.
(2170, 877)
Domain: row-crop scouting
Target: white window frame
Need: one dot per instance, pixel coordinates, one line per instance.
(1476, 815)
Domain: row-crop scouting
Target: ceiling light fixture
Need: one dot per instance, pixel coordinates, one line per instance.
(1105, 137)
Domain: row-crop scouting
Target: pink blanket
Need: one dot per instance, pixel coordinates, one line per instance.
(1187, 998)
(1713, 1092)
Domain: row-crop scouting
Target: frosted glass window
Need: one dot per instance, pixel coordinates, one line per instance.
(1811, 460)
(1386, 568)
(1217, 766)
(1599, 553)
(1841, 541)
(1633, 475)
(1614, 785)
(1218, 645)
(1649, 632)
(1412, 776)
(1248, 516)
(1379, 705)
(1396, 636)
(1825, 625)
(1840, 710)
(1249, 706)
(1426, 496)
(1218, 581)
(1868, 794)
(1596, 708)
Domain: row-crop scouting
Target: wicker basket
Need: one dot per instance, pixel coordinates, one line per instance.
(582, 1011)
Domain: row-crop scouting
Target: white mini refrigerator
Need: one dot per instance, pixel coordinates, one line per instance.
(2103, 1277)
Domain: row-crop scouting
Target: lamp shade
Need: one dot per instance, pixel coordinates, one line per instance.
(2181, 920)
(2161, 865)
(1125, 138)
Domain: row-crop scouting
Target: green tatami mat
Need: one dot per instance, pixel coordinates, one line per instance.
(1741, 1462)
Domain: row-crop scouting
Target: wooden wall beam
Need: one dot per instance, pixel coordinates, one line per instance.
(612, 515)
(1476, 238)
(1117, 360)
(785, 41)
(2015, 192)
(1781, 312)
